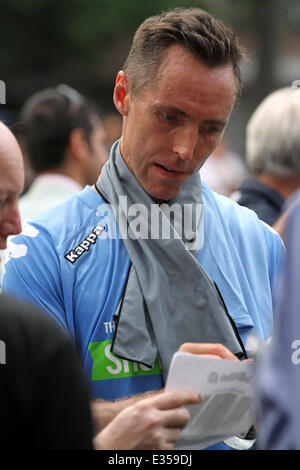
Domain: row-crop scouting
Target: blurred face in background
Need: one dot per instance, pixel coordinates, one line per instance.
(11, 185)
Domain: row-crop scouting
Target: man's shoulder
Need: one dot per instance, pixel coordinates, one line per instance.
(237, 218)
(60, 222)
(46, 238)
(226, 206)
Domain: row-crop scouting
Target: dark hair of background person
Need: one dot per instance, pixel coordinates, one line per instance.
(206, 37)
(46, 121)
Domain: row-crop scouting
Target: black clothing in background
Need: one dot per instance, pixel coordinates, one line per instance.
(44, 399)
(265, 201)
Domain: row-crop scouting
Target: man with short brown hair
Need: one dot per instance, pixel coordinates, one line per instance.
(151, 259)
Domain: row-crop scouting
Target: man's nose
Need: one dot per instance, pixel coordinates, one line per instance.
(185, 142)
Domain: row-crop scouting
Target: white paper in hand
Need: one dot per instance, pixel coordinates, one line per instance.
(227, 389)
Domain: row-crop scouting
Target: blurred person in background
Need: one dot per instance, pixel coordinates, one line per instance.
(63, 144)
(272, 156)
(224, 170)
(63, 139)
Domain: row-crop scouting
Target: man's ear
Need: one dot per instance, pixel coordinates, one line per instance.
(121, 93)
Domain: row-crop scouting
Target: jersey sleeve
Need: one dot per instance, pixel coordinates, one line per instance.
(31, 272)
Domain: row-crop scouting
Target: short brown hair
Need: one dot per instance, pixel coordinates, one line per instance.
(206, 37)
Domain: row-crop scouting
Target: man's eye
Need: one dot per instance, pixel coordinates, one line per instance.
(169, 117)
(212, 129)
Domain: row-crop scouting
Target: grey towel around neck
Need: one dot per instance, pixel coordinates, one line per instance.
(169, 299)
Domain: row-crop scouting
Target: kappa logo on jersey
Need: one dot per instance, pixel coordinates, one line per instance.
(85, 245)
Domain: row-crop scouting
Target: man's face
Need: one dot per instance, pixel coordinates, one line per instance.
(11, 185)
(175, 123)
(97, 151)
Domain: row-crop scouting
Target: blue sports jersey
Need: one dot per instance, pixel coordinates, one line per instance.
(69, 262)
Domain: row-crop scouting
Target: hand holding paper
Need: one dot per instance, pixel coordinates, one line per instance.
(225, 385)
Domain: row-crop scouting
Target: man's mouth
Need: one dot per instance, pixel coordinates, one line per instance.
(171, 170)
(166, 168)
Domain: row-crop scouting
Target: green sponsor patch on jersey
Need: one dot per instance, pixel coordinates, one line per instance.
(106, 365)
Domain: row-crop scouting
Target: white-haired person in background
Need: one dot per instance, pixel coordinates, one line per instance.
(272, 155)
